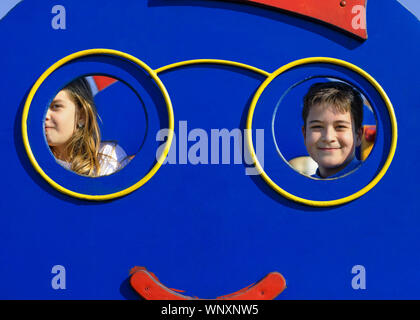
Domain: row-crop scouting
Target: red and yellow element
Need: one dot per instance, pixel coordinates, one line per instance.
(150, 288)
(344, 14)
(368, 140)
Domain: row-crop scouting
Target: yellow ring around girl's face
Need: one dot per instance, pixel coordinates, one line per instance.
(54, 67)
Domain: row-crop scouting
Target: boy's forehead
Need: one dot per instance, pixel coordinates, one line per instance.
(328, 110)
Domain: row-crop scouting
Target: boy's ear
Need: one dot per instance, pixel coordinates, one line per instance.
(359, 136)
(304, 132)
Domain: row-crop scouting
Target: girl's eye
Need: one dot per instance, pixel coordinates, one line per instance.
(54, 107)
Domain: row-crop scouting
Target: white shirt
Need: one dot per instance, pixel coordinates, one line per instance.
(111, 158)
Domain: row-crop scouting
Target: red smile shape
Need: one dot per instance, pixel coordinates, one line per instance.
(150, 288)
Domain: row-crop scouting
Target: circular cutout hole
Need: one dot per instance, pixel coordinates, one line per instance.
(126, 118)
(292, 184)
(94, 124)
(337, 135)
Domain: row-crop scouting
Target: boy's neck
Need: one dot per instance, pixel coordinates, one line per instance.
(328, 172)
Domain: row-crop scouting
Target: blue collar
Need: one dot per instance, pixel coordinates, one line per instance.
(350, 167)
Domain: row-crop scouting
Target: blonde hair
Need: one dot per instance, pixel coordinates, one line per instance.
(83, 147)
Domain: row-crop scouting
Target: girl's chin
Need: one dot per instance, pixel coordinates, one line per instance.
(53, 145)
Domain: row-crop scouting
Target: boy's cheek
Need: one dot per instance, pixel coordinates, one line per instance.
(311, 140)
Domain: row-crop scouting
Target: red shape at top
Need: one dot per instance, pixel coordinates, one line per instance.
(103, 81)
(348, 15)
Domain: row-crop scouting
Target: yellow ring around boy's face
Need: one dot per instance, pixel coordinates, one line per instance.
(372, 81)
(60, 63)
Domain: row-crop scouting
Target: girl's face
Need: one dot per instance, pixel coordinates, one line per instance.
(60, 122)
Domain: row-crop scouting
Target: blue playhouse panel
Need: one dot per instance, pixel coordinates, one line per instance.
(208, 229)
(123, 116)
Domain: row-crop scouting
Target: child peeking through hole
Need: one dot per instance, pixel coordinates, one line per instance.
(333, 116)
(73, 135)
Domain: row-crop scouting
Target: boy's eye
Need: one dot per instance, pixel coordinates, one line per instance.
(316, 127)
(341, 127)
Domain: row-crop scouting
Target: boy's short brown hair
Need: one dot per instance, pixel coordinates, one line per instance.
(341, 96)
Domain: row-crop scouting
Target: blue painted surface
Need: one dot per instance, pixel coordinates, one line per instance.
(413, 6)
(6, 6)
(208, 229)
(124, 121)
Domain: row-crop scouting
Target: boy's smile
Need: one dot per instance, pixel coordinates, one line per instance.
(330, 138)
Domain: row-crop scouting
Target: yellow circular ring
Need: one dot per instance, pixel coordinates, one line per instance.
(372, 81)
(54, 67)
(212, 61)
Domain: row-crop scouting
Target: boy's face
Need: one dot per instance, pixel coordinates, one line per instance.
(330, 138)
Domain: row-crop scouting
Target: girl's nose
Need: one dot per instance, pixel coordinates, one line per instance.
(48, 116)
